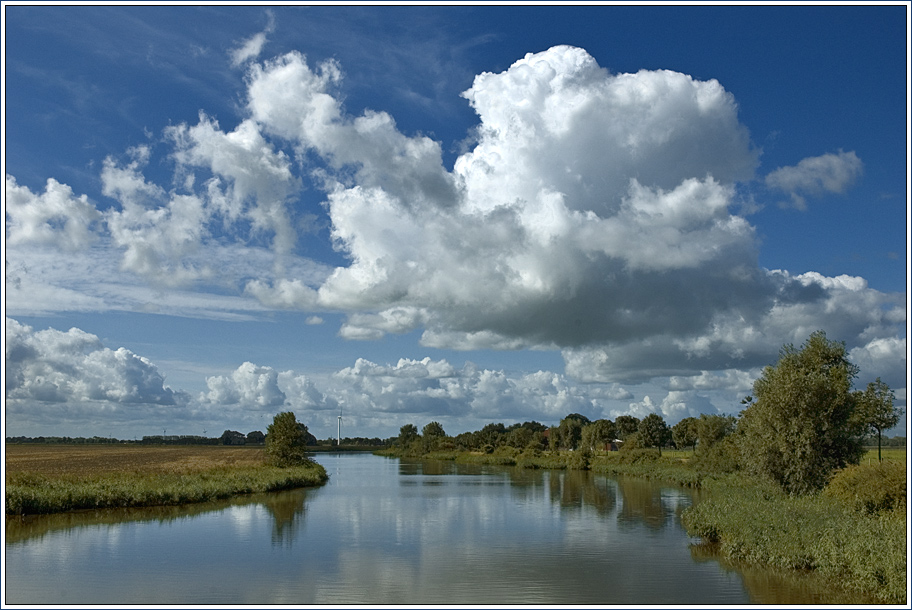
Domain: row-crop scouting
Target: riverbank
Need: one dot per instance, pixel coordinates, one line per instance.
(853, 534)
(50, 479)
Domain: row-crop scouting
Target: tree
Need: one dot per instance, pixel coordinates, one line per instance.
(654, 431)
(519, 437)
(491, 434)
(713, 428)
(431, 434)
(625, 425)
(407, 434)
(684, 433)
(255, 438)
(570, 430)
(598, 434)
(434, 430)
(286, 441)
(802, 424)
(876, 411)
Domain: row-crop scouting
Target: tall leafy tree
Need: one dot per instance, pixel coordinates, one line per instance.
(286, 441)
(713, 428)
(598, 434)
(431, 435)
(625, 425)
(570, 430)
(653, 431)
(876, 411)
(407, 434)
(492, 434)
(802, 424)
(434, 430)
(684, 433)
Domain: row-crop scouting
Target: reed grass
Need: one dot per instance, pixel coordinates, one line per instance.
(757, 523)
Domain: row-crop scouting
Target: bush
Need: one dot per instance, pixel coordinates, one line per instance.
(637, 455)
(719, 458)
(579, 460)
(870, 488)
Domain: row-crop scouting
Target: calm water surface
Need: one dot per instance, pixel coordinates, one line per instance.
(385, 531)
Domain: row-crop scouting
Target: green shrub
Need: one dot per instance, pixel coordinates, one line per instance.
(870, 488)
(637, 455)
(579, 459)
(550, 460)
(720, 457)
(443, 456)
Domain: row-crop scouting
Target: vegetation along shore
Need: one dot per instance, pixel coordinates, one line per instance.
(58, 478)
(788, 483)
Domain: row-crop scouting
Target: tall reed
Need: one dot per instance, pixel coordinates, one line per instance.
(758, 523)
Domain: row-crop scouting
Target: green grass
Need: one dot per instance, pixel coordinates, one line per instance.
(647, 463)
(896, 454)
(759, 524)
(30, 493)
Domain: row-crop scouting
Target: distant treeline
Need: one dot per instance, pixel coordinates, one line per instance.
(229, 437)
(64, 440)
(239, 439)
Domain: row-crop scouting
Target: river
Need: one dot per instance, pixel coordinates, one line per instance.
(393, 532)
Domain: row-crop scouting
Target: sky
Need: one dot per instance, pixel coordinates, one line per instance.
(462, 214)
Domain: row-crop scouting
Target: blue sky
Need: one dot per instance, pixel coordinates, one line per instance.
(464, 214)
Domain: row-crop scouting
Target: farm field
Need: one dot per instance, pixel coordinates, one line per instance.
(887, 453)
(60, 478)
(86, 460)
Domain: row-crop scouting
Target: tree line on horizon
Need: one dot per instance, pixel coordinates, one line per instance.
(803, 422)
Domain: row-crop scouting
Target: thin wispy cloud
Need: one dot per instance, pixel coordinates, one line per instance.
(251, 48)
(813, 176)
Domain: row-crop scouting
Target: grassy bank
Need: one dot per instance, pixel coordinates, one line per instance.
(57, 479)
(853, 534)
(758, 524)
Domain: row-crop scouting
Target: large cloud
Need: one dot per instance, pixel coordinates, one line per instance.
(70, 378)
(594, 213)
(427, 389)
(584, 191)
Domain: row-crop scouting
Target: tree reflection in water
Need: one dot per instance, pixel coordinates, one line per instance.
(284, 507)
(574, 489)
(635, 500)
(642, 502)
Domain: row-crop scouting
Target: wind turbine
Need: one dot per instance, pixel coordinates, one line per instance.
(339, 433)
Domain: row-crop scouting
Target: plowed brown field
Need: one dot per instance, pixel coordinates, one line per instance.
(57, 460)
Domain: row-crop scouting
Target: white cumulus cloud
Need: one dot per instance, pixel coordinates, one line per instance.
(70, 379)
(55, 217)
